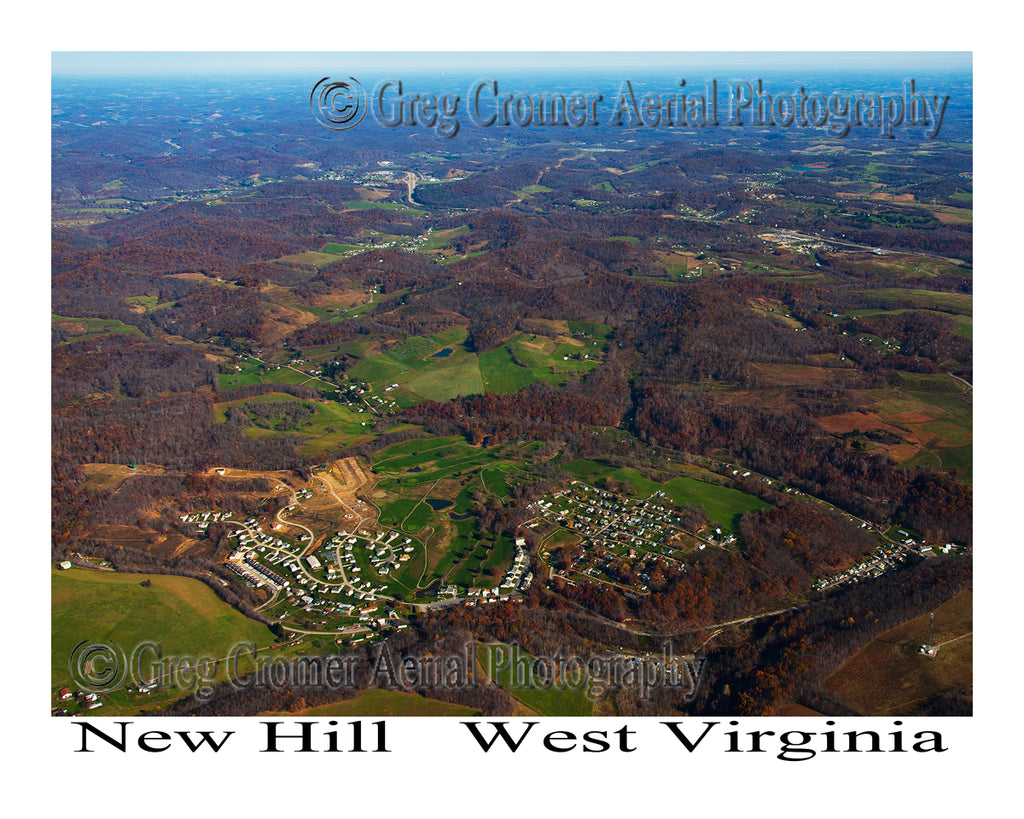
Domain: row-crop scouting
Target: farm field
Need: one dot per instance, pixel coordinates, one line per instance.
(441, 367)
(181, 613)
(252, 372)
(79, 329)
(723, 504)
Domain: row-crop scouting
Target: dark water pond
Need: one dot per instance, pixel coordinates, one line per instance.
(437, 504)
(447, 351)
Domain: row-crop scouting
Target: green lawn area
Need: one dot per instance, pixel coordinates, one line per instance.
(495, 483)
(446, 463)
(546, 359)
(96, 327)
(468, 556)
(448, 379)
(334, 426)
(442, 238)
(926, 382)
(181, 614)
(253, 372)
(560, 699)
(411, 363)
(591, 328)
(408, 454)
(419, 518)
(148, 303)
(377, 702)
(286, 375)
(393, 512)
(722, 503)
(961, 457)
(377, 369)
(250, 374)
(501, 374)
(589, 471)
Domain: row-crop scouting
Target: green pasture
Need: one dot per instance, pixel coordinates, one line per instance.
(559, 699)
(97, 327)
(180, 614)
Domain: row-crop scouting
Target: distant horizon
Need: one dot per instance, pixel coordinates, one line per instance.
(98, 64)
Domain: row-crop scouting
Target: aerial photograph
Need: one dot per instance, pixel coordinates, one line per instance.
(511, 384)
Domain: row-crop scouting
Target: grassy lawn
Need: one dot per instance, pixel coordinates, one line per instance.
(560, 699)
(411, 362)
(446, 469)
(501, 374)
(181, 614)
(589, 471)
(416, 453)
(722, 503)
(448, 379)
(439, 367)
(495, 483)
(442, 238)
(591, 328)
(82, 328)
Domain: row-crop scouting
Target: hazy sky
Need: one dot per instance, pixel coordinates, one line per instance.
(73, 63)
